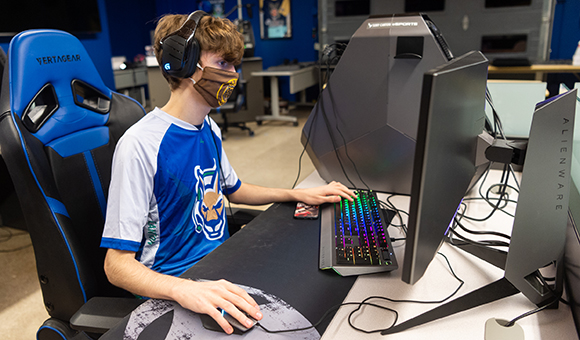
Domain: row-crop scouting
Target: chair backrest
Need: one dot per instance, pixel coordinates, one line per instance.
(59, 125)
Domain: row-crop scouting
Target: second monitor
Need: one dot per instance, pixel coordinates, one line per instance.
(451, 118)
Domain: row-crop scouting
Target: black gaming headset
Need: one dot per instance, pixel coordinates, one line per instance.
(181, 50)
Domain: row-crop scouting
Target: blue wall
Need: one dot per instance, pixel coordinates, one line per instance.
(304, 16)
(566, 29)
(130, 33)
(97, 45)
(130, 24)
(126, 26)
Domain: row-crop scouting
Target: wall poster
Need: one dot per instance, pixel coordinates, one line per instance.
(275, 20)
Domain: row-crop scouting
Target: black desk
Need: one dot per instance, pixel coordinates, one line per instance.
(279, 255)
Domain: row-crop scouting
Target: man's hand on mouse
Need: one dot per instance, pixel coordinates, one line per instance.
(205, 297)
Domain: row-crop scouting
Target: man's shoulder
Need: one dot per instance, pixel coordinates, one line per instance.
(146, 128)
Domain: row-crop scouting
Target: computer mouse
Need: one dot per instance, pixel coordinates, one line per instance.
(210, 324)
(496, 329)
(238, 327)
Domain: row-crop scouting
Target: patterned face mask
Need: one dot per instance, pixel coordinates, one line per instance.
(215, 85)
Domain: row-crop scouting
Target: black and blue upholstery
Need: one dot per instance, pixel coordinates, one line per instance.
(59, 125)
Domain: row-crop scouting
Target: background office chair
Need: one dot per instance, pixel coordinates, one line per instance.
(59, 125)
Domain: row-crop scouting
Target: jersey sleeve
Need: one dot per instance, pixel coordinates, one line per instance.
(130, 194)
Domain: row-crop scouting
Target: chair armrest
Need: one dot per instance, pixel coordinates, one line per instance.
(100, 314)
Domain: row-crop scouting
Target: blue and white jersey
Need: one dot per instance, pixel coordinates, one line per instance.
(165, 198)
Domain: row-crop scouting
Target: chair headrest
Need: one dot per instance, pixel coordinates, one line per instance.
(55, 88)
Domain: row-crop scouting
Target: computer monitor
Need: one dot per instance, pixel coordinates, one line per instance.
(451, 117)
(572, 255)
(539, 231)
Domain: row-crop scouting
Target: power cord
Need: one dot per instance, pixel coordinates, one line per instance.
(556, 298)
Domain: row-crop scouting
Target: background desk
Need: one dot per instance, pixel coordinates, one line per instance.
(131, 82)
(538, 69)
(300, 80)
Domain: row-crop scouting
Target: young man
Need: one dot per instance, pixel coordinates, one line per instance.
(166, 199)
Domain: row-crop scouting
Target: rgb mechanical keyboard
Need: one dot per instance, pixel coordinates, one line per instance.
(354, 238)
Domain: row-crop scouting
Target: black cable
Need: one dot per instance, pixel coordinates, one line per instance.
(502, 193)
(350, 159)
(398, 212)
(344, 142)
(6, 237)
(327, 51)
(480, 243)
(556, 297)
(503, 198)
(333, 141)
(222, 172)
(512, 171)
(366, 303)
(474, 232)
(461, 283)
(302, 154)
(465, 240)
(15, 249)
(9, 236)
(300, 160)
(534, 311)
(498, 128)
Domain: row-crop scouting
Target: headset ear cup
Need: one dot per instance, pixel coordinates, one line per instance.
(192, 60)
(181, 50)
(173, 55)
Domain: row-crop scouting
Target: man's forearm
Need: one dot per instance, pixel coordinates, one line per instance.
(125, 272)
(257, 195)
(201, 297)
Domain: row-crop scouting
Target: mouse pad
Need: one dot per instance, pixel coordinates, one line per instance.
(161, 319)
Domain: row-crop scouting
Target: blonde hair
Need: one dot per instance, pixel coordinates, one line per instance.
(214, 35)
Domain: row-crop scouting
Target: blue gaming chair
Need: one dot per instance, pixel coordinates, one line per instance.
(59, 125)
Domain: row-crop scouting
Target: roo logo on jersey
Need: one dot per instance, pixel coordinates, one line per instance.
(209, 205)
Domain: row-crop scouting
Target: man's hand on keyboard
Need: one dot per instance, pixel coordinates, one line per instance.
(330, 193)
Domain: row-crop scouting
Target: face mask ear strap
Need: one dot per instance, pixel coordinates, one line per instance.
(201, 68)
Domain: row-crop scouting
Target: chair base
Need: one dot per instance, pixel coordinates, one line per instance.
(241, 126)
(55, 329)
